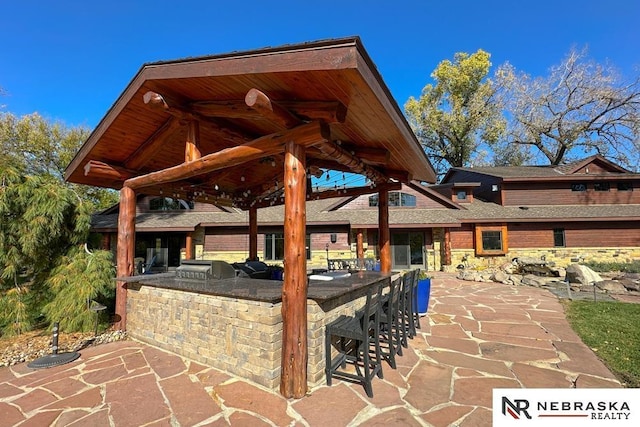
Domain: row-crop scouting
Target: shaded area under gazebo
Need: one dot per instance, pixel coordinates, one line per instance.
(247, 130)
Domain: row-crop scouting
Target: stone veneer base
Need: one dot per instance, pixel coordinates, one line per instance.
(238, 336)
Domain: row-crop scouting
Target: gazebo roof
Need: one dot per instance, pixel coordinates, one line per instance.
(326, 95)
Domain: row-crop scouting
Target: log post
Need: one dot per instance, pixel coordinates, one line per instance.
(253, 233)
(188, 246)
(384, 237)
(125, 251)
(360, 249)
(447, 247)
(293, 379)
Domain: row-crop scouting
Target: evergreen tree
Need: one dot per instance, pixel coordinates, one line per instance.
(44, 227)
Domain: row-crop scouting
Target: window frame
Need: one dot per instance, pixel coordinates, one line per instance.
(504, 240)
(579, 186)
(603, 186)
(624, 186)
(169, 204)
(272, 242)
(559, 233)
(397, 199)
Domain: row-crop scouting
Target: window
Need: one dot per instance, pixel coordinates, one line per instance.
(558, 237)
(169, 204)
(491, 240)
(396, 198)
(601, 186)
(578, 186)
(274, 246)
(461, 195)
(625, 186)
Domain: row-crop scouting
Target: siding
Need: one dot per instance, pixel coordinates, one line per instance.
(462, 238)
(576, 235)
(559, 193)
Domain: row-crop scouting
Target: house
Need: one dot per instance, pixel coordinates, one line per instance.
(588, 210)
(582, 211)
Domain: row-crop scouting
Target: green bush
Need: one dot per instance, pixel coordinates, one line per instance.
(625, 267)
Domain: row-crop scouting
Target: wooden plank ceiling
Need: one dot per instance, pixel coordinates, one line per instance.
(327, 93)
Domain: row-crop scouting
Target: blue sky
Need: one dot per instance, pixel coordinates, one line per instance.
(70, 60)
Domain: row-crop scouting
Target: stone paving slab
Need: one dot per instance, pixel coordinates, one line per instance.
(476, 336)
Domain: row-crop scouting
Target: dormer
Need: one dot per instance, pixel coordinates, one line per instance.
(462, 192)
(458, 192)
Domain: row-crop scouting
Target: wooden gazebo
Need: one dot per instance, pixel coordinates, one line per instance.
(248, 130)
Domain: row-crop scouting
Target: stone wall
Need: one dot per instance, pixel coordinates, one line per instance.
(561, 257)
(238, 336)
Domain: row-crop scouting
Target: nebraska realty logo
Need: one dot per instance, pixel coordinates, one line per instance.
(566, 407)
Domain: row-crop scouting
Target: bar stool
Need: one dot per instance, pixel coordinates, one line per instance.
(353, 337)
(405, 318)
(389, 327)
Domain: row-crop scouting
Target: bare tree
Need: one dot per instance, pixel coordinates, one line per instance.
(582, 107)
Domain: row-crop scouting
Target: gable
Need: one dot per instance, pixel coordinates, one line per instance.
(424, 198)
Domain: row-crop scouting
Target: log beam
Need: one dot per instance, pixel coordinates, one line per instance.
(293, 379)
(125, 251)
(270, 110)
(322, 195)
(269, 145)
(342, 156)
(326, 111)
(152, 145)
(369, 155)
(383, 235)
(172, 106)
(105, 171)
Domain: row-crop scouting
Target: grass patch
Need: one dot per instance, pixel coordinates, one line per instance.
(611, 330)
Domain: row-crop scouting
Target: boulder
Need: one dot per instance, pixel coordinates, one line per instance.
(582, 274)
(501, 276)
(611, 286)
(516, 279)
(629, 284)
(533, 280)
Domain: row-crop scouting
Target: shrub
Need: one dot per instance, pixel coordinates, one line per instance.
(625, 267)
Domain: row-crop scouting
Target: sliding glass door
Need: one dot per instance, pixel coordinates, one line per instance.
(407, 250)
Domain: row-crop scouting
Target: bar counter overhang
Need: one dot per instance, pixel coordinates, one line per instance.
(235, 325)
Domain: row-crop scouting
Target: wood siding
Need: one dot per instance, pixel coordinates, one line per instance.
(577, 235)
(462, 238)
(559, 193)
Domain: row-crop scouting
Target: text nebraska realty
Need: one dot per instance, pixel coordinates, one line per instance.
(599, 410)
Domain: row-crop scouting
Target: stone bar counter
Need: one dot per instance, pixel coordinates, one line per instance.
(235, 325)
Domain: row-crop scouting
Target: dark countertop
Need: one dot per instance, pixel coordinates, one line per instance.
(259, 289)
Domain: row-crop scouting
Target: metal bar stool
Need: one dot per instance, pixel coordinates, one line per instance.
(353, 336)
(389, 328)
(404, 309)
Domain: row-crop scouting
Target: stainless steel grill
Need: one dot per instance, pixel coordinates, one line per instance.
(204, 270)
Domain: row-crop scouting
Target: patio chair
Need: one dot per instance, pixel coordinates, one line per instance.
(354, 336)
